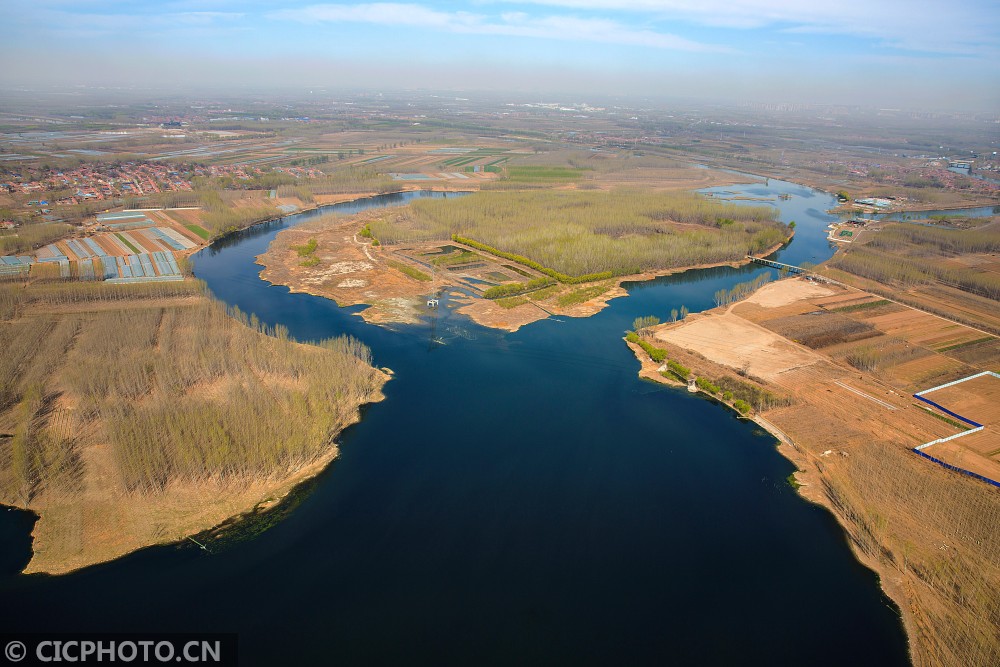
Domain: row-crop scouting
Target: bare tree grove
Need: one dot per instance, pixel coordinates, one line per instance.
(176, 387)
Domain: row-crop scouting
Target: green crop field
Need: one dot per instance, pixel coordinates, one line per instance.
(199, 230)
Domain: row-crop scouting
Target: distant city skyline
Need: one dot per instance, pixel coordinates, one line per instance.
(918, 53)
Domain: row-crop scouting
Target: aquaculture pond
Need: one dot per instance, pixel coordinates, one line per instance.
(517, 499)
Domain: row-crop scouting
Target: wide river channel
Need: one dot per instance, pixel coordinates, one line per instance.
(517, 499)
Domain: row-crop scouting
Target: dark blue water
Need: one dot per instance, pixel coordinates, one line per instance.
(973, 212)
(516, 499)
(15, 539)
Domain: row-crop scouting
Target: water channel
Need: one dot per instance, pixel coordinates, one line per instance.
(517, 499)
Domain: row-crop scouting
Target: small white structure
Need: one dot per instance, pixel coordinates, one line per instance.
(432, 303)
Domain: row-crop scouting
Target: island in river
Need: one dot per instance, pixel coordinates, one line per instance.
(561, 253)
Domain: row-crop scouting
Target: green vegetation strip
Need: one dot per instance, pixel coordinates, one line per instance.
(199, 230)
(515, 289)
(743, 396)
(512, 301)
(127, 243)
(859, 306)
(581, 295)
(946, 420)
(657, 354)
(682, 373)
(968, 343)
(416, 274)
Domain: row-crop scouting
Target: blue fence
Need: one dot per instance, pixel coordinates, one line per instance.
(957, 469)
(947, 411)
(976, 427)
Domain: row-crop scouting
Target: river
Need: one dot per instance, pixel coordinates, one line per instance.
(517, 499)
(973, 212)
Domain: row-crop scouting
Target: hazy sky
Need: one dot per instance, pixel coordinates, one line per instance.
(919, 53)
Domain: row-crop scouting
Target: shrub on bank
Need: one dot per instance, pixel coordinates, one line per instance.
(515, 289)
(682, 372)
(742, 406)
(657, 354)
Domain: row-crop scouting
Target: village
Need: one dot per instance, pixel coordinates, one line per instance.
(109, 180)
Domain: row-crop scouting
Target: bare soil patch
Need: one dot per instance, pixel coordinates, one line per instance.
(732, 341)
(970, 453)
(349, 270)
(978, 399)
(795, 290)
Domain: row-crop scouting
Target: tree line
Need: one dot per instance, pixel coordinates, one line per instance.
(741, 291)
(900, 269)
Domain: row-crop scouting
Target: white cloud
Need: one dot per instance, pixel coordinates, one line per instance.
(381, 13)
(111, 22)
(514, 24)
(205, 18)
(911, 24)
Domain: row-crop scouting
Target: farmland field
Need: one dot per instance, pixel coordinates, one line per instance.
(903, 349)
(977, 399)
